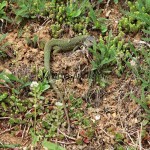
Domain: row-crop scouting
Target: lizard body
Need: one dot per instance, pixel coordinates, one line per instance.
(61, 45)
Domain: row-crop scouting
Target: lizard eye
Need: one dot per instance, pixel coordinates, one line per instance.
(89, 41)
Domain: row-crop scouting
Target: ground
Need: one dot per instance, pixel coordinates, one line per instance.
(116, 111)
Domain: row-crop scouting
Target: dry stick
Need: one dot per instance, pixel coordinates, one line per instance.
(139, 138)
(6, 130)
(106, 133)
(1, 118)
(24, 132)
(62, 100)
(69, 137)
(133, 143)
(107, 3)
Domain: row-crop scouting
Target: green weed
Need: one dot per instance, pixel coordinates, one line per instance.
(141, 67)
(16, 85)
(76, 112)
(137, 17)
(104, 57)
(4, 46)
(147, 35)
(98, 23)
(3, 4)
(73, 10)
(36, 90)
(46, 144)
(28, 9)
(74, 15)
(143, 101)
(51, 146)
(10, 146)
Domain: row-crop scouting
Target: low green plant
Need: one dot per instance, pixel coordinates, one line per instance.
(51, 146)
(10, 146)
(73, 10)
(76, 112)
(147, 35)
(104, 57)
(36, 91)
(140, 65)
(98, 23)
(144, 102)
(56, 30)
(116, 1)
(10, 80)
(3, 4)
(136, 18)
(69, 16)
(33, 42)
(13, 99)
(109, 52)
(75, 17)
(28, 9)
(45, 144)
(143, 7)
(3, 46)
(101, 1)
(119, 137)
(54, 120)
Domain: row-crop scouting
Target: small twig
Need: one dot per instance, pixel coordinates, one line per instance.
(141, 42)
(1, 118)
(7, 130)
(130, 138)
(106, 133)
(107, 3)
(24, 132)
(69, 137)
(139, 138)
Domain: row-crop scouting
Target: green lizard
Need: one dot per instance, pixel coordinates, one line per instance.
(63, 45)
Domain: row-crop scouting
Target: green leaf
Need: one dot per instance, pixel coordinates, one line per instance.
(51, 146)
(75, 13)
(10, 146)
(99, 1)
(116, 1)
(146, 39)
(3, 96)
(119, 137)
(3, 4)
(35, 139)
(4, 106)
(141, 103)
(45, 87)
(103, 28)
(13, 78)
(145, 122)
(3, 36)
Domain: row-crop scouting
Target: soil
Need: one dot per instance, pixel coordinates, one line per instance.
(117, 112)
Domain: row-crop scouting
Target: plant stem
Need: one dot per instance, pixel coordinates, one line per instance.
(35, 102)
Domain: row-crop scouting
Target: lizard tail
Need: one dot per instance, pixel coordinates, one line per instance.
(47, 55)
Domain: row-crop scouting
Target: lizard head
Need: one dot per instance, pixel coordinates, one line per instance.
(89, 41)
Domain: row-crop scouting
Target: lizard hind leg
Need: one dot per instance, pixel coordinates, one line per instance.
(56, 49)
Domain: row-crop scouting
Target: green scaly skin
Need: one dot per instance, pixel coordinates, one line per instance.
(61, 45)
